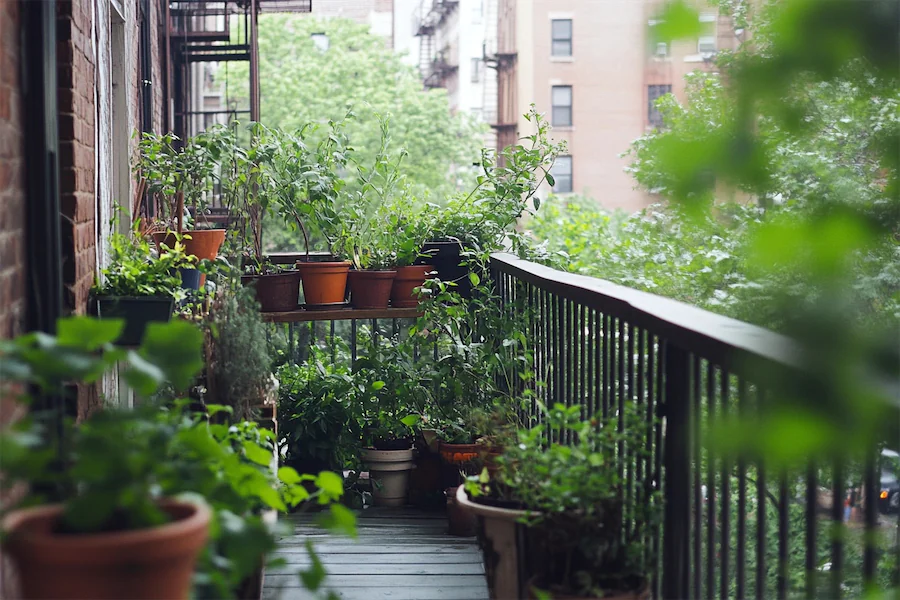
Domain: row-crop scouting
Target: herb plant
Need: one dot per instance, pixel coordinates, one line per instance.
(135, 271)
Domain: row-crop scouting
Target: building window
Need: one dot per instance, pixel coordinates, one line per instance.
(706, 44)
(561, 37)
(476, 70)
(561, 99)
(562, 174)
(320, 41)
(654, 92)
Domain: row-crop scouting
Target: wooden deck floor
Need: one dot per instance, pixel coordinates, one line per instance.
(399, 554)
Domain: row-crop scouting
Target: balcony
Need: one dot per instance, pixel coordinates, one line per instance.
(444, 63)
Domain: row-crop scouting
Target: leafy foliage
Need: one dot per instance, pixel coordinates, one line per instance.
(135, 271)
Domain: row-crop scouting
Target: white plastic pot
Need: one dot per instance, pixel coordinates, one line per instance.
(389, 473)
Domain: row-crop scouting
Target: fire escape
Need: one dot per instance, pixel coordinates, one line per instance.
(438, 58)
(500, 54)
(204, 37)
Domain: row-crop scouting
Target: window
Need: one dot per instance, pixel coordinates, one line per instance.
(320, 41)
(654, 92)
(561, 99)
(662, 49)
(562, 174)
(706, 44)
(476, 70)
(561, 37)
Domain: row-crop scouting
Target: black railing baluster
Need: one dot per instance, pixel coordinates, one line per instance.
(870, 515)
(710, 486)
(725, 548)
(620, 394)
(696, 425)
(374, 333)
(741, 555)
(783, 529)
(677, 508)
(607, 362)
(837, 529)
(353, 341)
(333, 345)
(762, 501)
(661, 359)
(629, 452)
(582, 372)
(812, 525)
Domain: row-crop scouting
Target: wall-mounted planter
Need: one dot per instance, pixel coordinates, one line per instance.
(407, 280)
(389, 473)
(137, 312)
(370, 289)
(445, 257)
(278, 292)
(156, 562)
(324, 283)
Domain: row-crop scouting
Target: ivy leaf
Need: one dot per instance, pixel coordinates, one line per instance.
(258, 454)
(676, 22)
(331, 484)
(88, 333)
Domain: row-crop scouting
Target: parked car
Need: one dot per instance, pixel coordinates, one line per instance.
(889, 492)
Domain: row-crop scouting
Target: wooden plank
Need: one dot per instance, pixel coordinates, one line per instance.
(362, 566)
(377, 549)
(451, 593)
(340, 314)
(415, 582)
(378, 539)
(458, 558)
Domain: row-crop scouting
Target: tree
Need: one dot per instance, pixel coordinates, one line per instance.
(300, 83)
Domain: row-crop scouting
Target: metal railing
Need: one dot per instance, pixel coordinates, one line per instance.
(730, 529)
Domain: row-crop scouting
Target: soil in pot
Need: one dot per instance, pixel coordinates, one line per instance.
(278, 292)
(137, 312)
(151, 563)
(407, 280)
(370, 289)
(389, 473)
(324, 283)
(445, 257)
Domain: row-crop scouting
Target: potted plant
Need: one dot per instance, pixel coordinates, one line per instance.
(390, 396)
(172, 171)
(305, 182)
(555, 511)
(250, 192)
(138, 287)
(409, 222)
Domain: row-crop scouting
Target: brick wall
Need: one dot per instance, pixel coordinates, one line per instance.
(12, 195)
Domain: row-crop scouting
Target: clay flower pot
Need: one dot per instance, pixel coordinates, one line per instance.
(371, 289)
(278, 292)
(389, 473)
(203, 243)
(157, 562)
(408, 279)
(324, 283)
(459, 454)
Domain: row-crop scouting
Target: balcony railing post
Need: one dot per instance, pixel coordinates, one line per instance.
(677, 478)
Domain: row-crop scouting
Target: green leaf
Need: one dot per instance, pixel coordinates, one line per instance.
(474, 278)
(339, 518)
(141, 375)
(289, 475)
(330, 483)
(377, 385)
(88, 333)
(258, 454)
(410, 420)
(313, 577)
(677, 21)
(176, 348)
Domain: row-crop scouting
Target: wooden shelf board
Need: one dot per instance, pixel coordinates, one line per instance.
(340, 314)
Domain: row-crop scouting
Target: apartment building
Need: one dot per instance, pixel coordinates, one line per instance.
(593, 68)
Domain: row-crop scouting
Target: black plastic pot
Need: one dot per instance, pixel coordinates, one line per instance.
(190, 278)
(137, 312)
(445, 256)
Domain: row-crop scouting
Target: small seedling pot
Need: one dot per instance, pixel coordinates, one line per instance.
(371, 289)
(137, 312)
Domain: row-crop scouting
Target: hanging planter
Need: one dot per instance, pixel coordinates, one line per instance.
(371, 289)
(156, 562)
(137, 312)
(324, 283)
(406, 281)
(277, 292)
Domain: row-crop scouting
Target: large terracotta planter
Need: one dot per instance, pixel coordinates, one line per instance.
(459, 454)
(370, 289)
(324, 283)
(499, 535)
(143, 564)
(407, 280)
(389, 473)
(203, 243)
(278, 292)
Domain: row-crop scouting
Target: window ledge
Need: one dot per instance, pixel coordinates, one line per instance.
(562, 59)
(563, 127)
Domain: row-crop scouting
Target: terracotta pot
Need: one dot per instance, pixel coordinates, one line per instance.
(370, 289)
(143, 564)
(323, 282)
(278, 292)
(389, 473)
(462, 522)
(459, 454)
(203, 243)
(408, 279)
